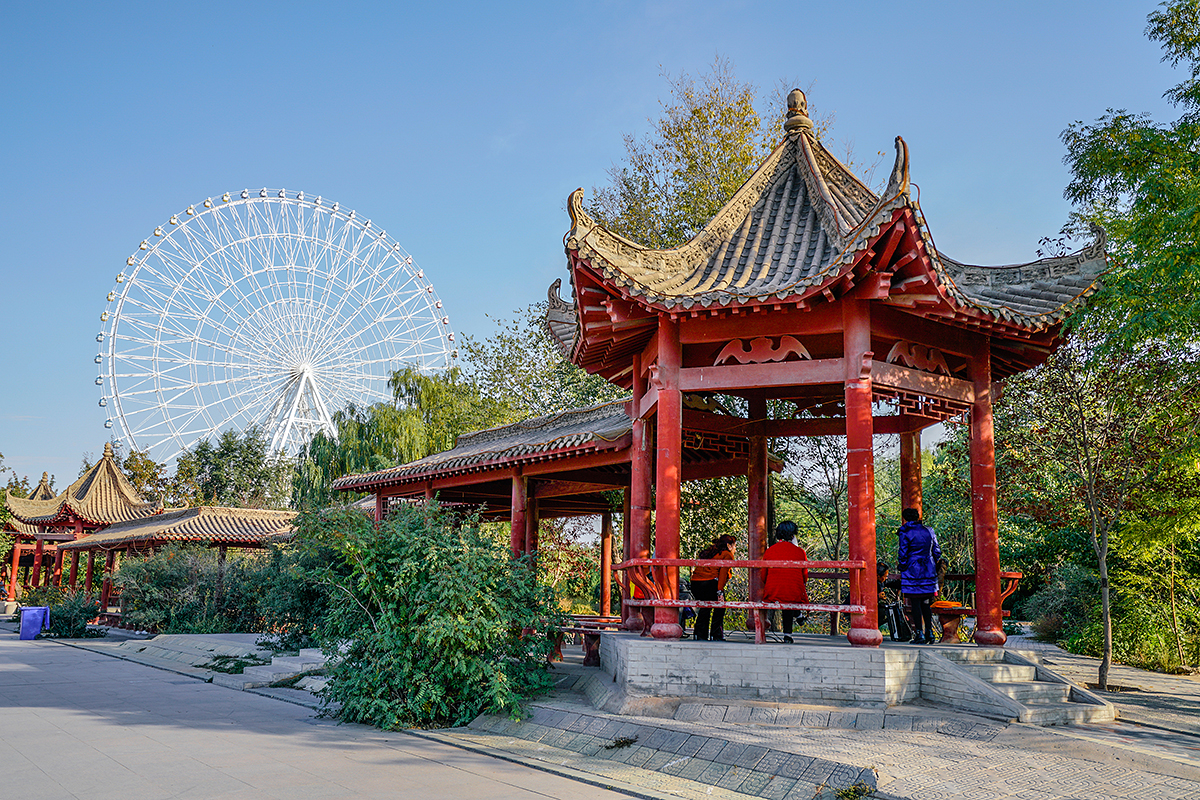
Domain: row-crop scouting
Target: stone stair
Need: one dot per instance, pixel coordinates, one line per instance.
(1042, 696)
(281, 668)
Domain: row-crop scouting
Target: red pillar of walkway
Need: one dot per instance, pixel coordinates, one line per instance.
(910, 470)
(520, 499)
(91, 568)
(106, 587)
(860, 462)
(74, 567)
(37, 563)
(606, 534)
(533, 521)
(12, 574)
(58, 559)
(756, 505)
(625, 550)
(380, 502)
(669, 473)
(641, 464)
(984, 514)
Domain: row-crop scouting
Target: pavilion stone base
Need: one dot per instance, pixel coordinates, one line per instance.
(833, 674)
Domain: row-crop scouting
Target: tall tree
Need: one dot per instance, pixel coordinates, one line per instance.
(1093, 430)
(522, 373)
(239, 470)
(428, 413)
(1141, 180)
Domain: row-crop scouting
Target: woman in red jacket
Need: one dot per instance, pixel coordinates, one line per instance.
(786, 585)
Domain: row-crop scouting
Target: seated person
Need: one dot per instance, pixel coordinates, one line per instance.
(786, 585)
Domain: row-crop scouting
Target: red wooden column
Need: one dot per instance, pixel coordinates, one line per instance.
(520, 500)
(91, 568)
(641, 466)
(669, 435)
(756, 502)
(533, 521)
(58, 560)
(624, 576)
(12, 574)
(37, 563)
(910, 470)
(984, 514)
(380, 504)
(860, 462)
(106, 587)
(606, 534)
(74, 567)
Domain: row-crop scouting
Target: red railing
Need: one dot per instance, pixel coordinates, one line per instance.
(649, 574)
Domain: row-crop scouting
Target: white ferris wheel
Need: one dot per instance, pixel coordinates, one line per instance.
(269, 308)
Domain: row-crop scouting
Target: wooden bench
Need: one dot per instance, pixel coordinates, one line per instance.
(589, 629)
(951, 614)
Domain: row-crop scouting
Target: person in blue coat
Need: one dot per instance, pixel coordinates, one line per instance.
(917, 563)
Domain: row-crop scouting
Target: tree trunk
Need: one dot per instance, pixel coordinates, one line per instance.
(1106, 611)
(1174, 609)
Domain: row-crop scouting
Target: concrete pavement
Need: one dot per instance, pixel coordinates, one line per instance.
(78, 724)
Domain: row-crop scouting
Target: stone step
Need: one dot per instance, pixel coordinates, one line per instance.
(281, 668)
(313, 652)
(973, 655)
(1066, 713)
(1027, 692)
(998, 673)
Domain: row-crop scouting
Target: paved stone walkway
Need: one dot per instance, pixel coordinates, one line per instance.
(123, 725)
(78, 724)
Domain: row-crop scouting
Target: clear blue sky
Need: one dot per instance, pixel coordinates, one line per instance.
(462, 127)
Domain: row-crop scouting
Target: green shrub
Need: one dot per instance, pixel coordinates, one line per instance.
(70, 610)
(291, 604)
(434, 622)
(70, 615)
(183, 588)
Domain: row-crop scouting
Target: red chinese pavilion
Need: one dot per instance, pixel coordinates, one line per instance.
(806, 288)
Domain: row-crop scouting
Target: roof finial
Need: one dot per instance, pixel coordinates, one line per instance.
(45, 477)
(797, 113)
(108, 451)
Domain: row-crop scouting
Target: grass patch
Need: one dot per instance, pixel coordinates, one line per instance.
(233, 665)
(290, 683)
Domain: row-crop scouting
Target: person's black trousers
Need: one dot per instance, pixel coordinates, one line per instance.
(707, 590)
(922, 615)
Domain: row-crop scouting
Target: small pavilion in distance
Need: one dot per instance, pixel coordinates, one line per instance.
(100, 497)
(813, 297)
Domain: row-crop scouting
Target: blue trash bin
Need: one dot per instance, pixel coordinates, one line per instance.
(34, 619)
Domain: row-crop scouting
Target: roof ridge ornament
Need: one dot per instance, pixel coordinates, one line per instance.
(797, 113)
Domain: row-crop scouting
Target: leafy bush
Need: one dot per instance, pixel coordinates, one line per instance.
(1068, 599)
(292, 605)
(435, 622)
(69, 617)
(184, 588)
(70, 610)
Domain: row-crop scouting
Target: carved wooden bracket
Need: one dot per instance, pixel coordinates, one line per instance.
(927, 359)
(762, 351)
(655, 379)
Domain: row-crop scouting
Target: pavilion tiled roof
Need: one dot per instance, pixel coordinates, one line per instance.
(200, 524)
(41, 492)
(796, 226)
(551, 436)
(101, 496)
